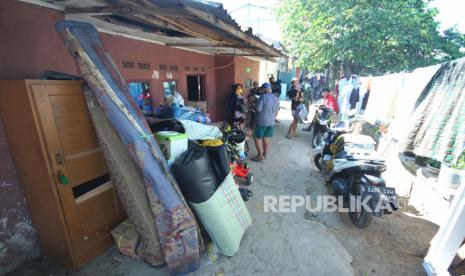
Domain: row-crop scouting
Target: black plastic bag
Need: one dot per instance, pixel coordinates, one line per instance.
(167, 125)
(195, 174)
(220, 162)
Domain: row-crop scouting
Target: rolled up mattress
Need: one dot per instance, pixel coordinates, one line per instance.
(225, 217)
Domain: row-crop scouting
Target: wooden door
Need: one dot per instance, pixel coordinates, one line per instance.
(87, 196)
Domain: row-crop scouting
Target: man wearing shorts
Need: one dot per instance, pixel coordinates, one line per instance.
(266, 109)
(295, 96)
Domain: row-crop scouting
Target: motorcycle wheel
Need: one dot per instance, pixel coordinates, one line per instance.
(317, 161)
(249, 180)
(316, 139)
(361, 219)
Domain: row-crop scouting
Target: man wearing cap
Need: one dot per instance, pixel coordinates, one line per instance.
(266, 109)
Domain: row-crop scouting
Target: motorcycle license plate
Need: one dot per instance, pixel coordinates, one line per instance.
(326, 157)
(388, 192)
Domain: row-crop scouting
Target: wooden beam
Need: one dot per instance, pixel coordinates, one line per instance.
(147, 20)
(155, 29)
(118, 5)
(199, 45)
(244, 55)
(200, 30)
(272, 59)
(90, 10)
(206, 45)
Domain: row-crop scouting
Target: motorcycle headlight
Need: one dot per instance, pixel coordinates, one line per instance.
(323, 121)
(349, 146)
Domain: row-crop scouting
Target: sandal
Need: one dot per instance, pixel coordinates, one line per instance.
(257, 159)
(307, 129)
(245, 193)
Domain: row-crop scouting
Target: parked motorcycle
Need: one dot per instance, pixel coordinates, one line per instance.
(355, 170)
(321, 124)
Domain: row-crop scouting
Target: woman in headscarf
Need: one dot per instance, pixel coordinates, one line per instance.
(237, 106)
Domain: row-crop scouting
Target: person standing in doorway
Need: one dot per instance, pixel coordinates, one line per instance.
(266, 109)
(294, 95)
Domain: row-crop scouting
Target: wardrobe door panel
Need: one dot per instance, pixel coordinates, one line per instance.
(41, 95)
(88, 197)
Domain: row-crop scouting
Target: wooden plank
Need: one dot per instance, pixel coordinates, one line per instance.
(83, 153)
(167, 23)
(90, 10)
(100, 189)
(86, 168)
(120, 7)
(152, 29)
(207, 31)
(206, 45)
(243, 55)
(95, 245)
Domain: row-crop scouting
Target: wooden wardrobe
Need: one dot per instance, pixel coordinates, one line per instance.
(70, 197)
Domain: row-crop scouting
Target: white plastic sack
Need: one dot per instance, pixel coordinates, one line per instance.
(198, 131)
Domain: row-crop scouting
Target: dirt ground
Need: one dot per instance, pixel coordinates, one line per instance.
(297, 243)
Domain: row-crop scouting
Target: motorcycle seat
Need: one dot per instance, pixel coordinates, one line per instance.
(340, 154)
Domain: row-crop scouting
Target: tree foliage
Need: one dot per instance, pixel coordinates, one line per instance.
(370, 36)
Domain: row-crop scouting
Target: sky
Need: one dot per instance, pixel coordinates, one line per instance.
(451, 12)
